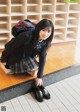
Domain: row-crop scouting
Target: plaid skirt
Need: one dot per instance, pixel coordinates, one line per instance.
(27, 64)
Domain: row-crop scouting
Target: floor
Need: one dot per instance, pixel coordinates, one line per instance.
(65, 97)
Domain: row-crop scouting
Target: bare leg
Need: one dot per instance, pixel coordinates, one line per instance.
(33, 72)
(7, 71)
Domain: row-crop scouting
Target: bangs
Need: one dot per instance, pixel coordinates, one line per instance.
(48, 28)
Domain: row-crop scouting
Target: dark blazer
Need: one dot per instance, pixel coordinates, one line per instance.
(17, 46)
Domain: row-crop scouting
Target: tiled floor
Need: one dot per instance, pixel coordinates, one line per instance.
(65, 97)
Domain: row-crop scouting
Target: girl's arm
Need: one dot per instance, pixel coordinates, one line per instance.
(42, 61)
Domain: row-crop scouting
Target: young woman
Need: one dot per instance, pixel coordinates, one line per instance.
(20, 55)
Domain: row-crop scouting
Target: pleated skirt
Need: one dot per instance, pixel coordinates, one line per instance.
(27, 64)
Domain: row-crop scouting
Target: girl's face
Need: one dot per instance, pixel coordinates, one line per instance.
(45, 33)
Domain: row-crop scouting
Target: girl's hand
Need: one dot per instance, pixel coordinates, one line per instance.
(38, 82)
(4, 63)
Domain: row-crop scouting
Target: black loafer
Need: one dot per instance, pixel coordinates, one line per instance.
(38, 94)
(45, 92)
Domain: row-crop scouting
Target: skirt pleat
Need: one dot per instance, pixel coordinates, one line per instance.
(27, 64)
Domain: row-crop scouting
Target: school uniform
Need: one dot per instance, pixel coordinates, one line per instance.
(20, 54)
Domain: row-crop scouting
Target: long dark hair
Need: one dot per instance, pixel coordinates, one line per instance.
(41, 25)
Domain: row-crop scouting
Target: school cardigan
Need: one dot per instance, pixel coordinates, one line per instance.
(23, 43)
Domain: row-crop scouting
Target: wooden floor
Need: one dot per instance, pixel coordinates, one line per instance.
(65, 97)
(59, 56)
